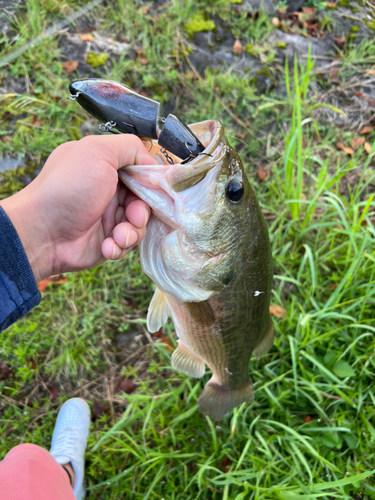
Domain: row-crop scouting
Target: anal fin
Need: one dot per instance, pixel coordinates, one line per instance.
(266, 342)
(186, 362)
(158, 311)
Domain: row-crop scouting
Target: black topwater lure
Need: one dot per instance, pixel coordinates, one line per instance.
(122, 110)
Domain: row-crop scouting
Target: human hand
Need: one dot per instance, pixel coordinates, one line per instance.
(76, 214)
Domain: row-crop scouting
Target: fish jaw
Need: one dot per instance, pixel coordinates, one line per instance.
(167, 188)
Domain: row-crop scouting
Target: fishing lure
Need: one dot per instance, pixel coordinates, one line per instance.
(122, 110)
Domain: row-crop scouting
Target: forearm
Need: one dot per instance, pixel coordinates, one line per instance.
(18, 289)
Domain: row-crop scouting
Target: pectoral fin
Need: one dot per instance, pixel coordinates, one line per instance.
(158, 311)
(266, 343)
(186, 362)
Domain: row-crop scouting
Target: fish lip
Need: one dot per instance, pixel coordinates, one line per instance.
(162, 194)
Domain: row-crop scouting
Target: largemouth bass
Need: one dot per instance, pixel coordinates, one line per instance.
(207, 250)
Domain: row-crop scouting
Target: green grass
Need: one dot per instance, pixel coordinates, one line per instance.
(310, 432)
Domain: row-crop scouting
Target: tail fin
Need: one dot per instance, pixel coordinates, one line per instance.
(216, 400)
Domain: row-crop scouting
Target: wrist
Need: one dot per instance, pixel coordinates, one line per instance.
(25, 215)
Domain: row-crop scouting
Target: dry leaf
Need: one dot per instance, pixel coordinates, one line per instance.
(331, 5)
(87, 38)
(275, 21)
(240, 135)
(370, 72)
(359, 94)
(366, 130)
(225, 464)
(57, 280)
(42, 285)
(146, 9)
(70, 66)
(143, 60)
(371, 102)
(237, 47)
(368, 147)
(277, 311)
(348, 151)
(357, 141)
(309, 10)
(166, 340)
(124, 384)
(5, 371)
(339, 41)
(98, 410)
(262, 174)
(53, 393)
(232, 105)
(308, 419)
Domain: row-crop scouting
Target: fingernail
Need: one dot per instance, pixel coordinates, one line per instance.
(116, 251)
(131, 238)
(145, 212)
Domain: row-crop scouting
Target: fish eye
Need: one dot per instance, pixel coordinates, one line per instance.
(235, 191)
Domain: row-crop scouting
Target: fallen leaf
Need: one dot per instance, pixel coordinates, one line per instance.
(370, 72)
(357, 141)
(124, 384)
(303, 197)
(143, 60)
(53, 393)
(98, 410)
(275, 21)
(5, 371)
(277, 311)
(240, 135)
(146, 9)
(359, 94)
(331, 5)
(158, 334)
(308, 10)
(166, 340)
(366, 130)
(36, 122)
(57, 280)
(371, 102)
(86, 37)
(368, 147)
(237, 47)
(70, 66)
(339, 41)
(262, 174)
(232, 105)
(225, 464)
(341, 146)
(42, 285)
(308, 419)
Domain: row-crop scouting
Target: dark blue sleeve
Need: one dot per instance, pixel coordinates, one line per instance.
(18, 290)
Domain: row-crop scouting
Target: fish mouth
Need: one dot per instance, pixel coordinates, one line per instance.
(163, 186)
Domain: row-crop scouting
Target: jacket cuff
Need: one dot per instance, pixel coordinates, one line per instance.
(18, 289)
